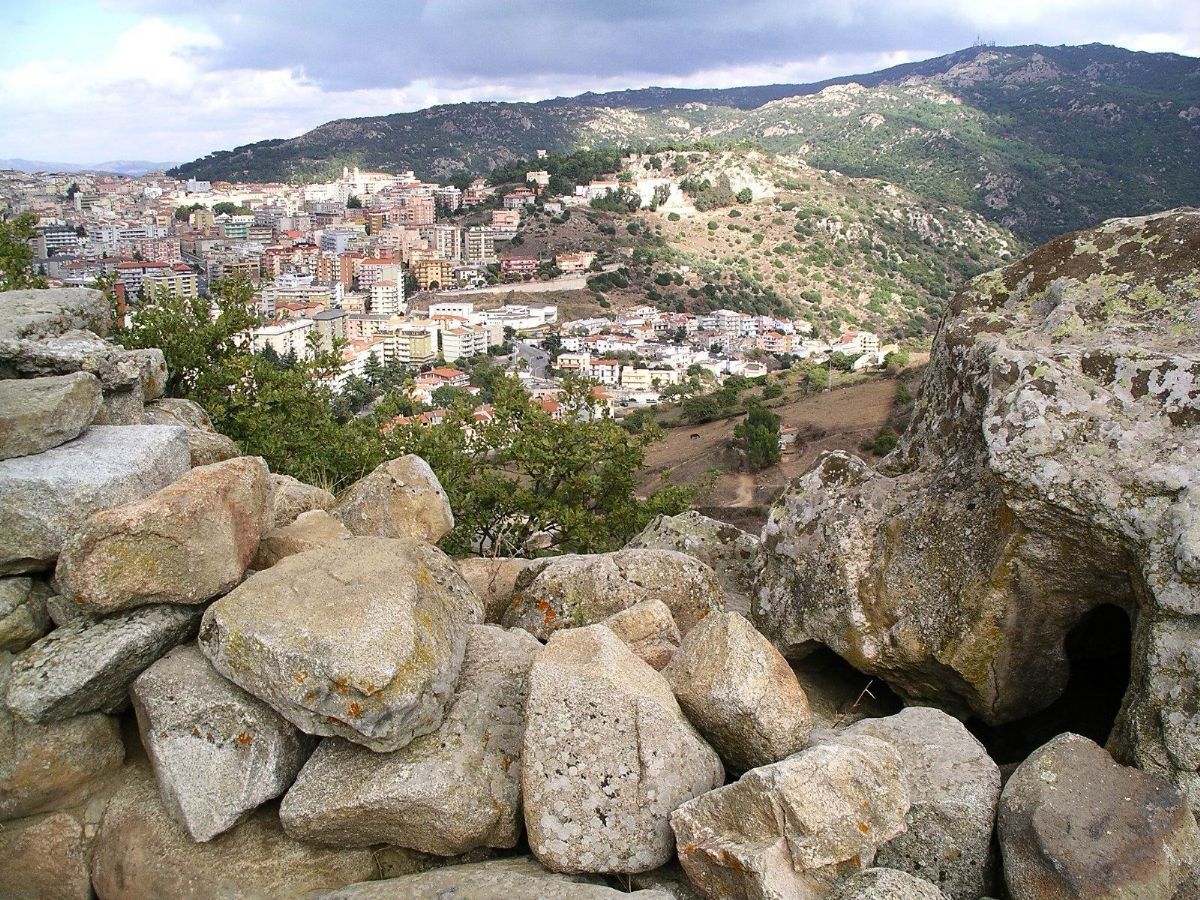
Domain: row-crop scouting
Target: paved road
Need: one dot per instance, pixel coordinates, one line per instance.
(537, 358)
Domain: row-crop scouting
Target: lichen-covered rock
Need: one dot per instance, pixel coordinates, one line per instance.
(494, 579)
(217, 752)
(88, 665)
(794, 828)
(206, 444)
(954, 787)
(886, 884)
(730, 552)
(1074, 823)
(48, 496)
(572, 591)
(519, 878)
(45, 858)
(311, 530)
(402, 498)
(291, 497)
(35, 314)
(740, 692)
(447, 792)
(141, 853)
(648, 630)
(184, 544)
(607, 756)
(37, 414)
(363, 639)
(23, 614)
(1050, 468)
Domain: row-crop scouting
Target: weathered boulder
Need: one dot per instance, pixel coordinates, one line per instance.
(153, 371)
(519, 878)
(402, 498)
(494, 579)
(607, 756)
(88, 665)
(447, 792)
(886, 884)
(648, 630)
(1074, 823)
(572, 591)
(183, 544)
(37, 414)
(954, 787)
(741, 694)
(311, 530)
(290, 498)
(141, 853)
(1050, 468)
(362, 639)
(217, 752)
(36, 314)
(45, 858)
(730, 552)
(48, 496)
(206, 444)
(23, 614)
(794, 828)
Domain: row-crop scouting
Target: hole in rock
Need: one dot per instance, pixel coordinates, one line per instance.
(1098, 650)
(840, 693)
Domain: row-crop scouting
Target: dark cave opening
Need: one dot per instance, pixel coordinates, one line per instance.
(1098, 650)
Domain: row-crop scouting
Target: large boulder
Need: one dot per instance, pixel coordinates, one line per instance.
(141, 853)
(88, 665)
(208, 446)
(184, 544)
(48, 496)
(572, 591)
(290, 498)
(311, 530)
(447, 792)
(649, 631)
(402, 498)
(1075, 823)
(34, 314)
(217, 751)
(45, 858)
(1049, 469)
(740, 692)
(730, 552)
(23, 614)
(519, 878)
(494, 579)
(886, 884)
(362, 639)
(37, 414)
(794, 828)
(954, 787)
(607, 756)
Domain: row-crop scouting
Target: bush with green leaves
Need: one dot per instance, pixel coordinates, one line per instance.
(758, 436)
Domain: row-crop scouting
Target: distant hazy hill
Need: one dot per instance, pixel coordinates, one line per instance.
(1041, 139)
(130, 167)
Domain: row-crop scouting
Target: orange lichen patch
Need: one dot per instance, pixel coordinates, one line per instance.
(195, 731)
(864, 827)
(549, 613)
(354, 709)
(342, 686)
(301, 677)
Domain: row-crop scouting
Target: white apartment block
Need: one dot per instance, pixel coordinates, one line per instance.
(387, 298)
(289, 336)
(462, 342)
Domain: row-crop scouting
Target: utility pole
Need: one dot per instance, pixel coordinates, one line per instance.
(829, 384)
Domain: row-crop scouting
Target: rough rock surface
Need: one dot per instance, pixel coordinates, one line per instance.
(730, 552)
(886, 884)
(48, 496)
(23, 614)
(1074, 823)
(291, 497)
(88, 665)
(740, 692)
(402, 498)
(183, 544)
(217, 752)
(649, 631)
(32, 315)
(493, 578)
(362, 639)
(45, 858)
(447, 792)
(607, 756)
(1050, 468)
(572, 591)
(954, 787)
(793, 828)
(311, 530)
(142, 854)
(502, 879)
(206, 444)
(37, 414)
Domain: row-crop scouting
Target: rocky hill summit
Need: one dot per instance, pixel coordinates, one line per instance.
(216, 681)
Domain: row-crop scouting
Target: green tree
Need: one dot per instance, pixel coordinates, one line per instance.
(745, 195)
(758, 436)
(353, 202)
(16, 255)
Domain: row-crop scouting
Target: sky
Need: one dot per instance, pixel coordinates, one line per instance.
(88, 81)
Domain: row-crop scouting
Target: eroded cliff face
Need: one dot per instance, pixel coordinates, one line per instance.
(1052, 467)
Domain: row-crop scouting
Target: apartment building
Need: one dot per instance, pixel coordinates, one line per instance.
(176, 281)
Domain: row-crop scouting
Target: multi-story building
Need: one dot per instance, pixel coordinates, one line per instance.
(570, 263)
(461, 308)
(431, 274)
(387, 298)
(444, 240)
(175, 281)
(479, 245)
(855, 342)
(331, 324)
(518, 199)
(449, 198)
(410, 346)
(461, 342)
(286, 337)
(519, 265)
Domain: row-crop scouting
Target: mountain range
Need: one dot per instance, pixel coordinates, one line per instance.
(1040, 139)
(129, 167)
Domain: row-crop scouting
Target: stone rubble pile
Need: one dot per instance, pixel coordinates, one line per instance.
(218, 682)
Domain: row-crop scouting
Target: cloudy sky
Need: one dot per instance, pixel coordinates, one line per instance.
(167, 80)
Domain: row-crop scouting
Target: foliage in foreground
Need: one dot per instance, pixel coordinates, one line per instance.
(16, 256)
